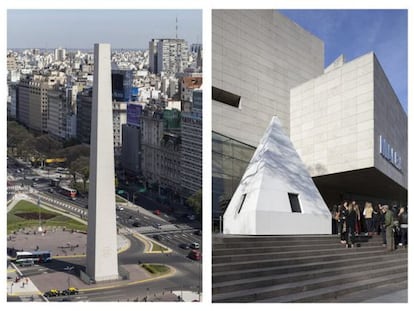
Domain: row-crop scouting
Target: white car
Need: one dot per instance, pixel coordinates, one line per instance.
(195, 245)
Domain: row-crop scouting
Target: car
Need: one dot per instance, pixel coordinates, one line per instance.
(158, 237)
(198, 232)
(119, 208)
(157, 212)
(191, 217)
(136, 224)
(158, 226)
(194, 255)
(184, 246)
(195, 245)
(52, 293)
(70, 291)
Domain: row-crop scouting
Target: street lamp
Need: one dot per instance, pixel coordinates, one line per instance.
(40, 217)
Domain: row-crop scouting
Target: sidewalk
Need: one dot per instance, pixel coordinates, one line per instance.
(23, 288)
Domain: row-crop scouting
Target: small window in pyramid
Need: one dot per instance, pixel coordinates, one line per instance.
(294, 202)
(242, 202)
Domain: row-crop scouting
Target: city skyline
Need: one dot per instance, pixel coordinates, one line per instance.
(84, 27)
(356, 32)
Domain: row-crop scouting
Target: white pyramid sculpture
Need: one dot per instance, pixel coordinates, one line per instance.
(275, 180)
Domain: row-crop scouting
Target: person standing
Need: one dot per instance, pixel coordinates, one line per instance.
(368, 213)
(403, 220)
(389, 228)
(343, 212)
(351, 220)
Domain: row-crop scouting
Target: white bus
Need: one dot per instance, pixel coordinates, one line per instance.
(36, 257)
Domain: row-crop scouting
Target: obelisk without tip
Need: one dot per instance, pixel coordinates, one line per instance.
(102, 256)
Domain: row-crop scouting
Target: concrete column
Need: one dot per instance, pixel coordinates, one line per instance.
(102, 257)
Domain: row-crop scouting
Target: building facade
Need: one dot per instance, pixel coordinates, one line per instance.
(257, 57)
(192, 146)
(351, 131)
(345, 121)
(168, 55)
(32, 103)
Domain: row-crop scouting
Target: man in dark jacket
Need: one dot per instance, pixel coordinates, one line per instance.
(351, 219)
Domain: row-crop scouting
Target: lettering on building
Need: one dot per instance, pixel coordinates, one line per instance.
(389, 153)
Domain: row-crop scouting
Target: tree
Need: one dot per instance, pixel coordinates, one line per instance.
(196, 202)
(80, 166)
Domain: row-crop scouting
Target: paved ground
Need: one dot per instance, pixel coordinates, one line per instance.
(58, 241)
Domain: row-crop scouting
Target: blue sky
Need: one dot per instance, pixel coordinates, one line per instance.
(357, 32)
(83, 28)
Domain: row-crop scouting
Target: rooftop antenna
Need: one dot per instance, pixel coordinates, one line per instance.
(176, 27)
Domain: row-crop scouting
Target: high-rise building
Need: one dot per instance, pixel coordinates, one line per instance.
(192, 146)
(161, 147)
(32, 102)
(121, 84)
(83, 115)
(60, 54)
(119, 115)
(57, 112)
(131, 140)
(168, 55)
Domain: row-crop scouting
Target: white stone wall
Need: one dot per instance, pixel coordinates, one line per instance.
(332, 118)
(259, 55)
(337, 118)
(391, 123)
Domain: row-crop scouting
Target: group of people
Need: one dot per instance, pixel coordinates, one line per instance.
(349, 220)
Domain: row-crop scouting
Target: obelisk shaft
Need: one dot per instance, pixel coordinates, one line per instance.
(102, 257)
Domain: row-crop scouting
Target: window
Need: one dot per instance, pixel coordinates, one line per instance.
(294, 202)
(242, 202)
(226, 97)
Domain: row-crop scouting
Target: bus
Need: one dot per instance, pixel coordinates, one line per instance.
(35, 257)
(70, 193)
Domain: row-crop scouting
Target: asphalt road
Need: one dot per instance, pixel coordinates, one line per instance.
(170, 229)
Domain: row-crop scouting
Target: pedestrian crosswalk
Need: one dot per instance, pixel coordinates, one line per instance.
(62, 204)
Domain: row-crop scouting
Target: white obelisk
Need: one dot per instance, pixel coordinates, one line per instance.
(102, 256)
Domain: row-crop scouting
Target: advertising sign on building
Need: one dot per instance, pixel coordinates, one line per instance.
(134, 114)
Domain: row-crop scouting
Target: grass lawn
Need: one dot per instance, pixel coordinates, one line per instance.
(26, 215)
(119, 199)
(158, 248)
(156, 269)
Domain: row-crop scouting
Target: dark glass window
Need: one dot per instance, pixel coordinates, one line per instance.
(242, 202)
(294, 203)
(226, 97)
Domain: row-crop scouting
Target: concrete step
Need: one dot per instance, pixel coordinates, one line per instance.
(275, 253)
(379, 294)
(231, 275)
(281, 278)
(327, 294)
(302, 287)
(226, 244)
(274, 262)
(271, 248)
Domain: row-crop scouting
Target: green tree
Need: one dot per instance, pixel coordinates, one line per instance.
(196, 202)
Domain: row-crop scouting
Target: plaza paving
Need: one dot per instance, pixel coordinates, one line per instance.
(62, 244)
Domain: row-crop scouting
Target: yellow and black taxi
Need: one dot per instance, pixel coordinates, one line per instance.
(52, 293)
(70, 291)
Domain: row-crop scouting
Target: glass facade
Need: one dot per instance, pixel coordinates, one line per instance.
(229, 161)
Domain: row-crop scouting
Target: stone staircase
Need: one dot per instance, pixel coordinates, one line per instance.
(313, 268)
